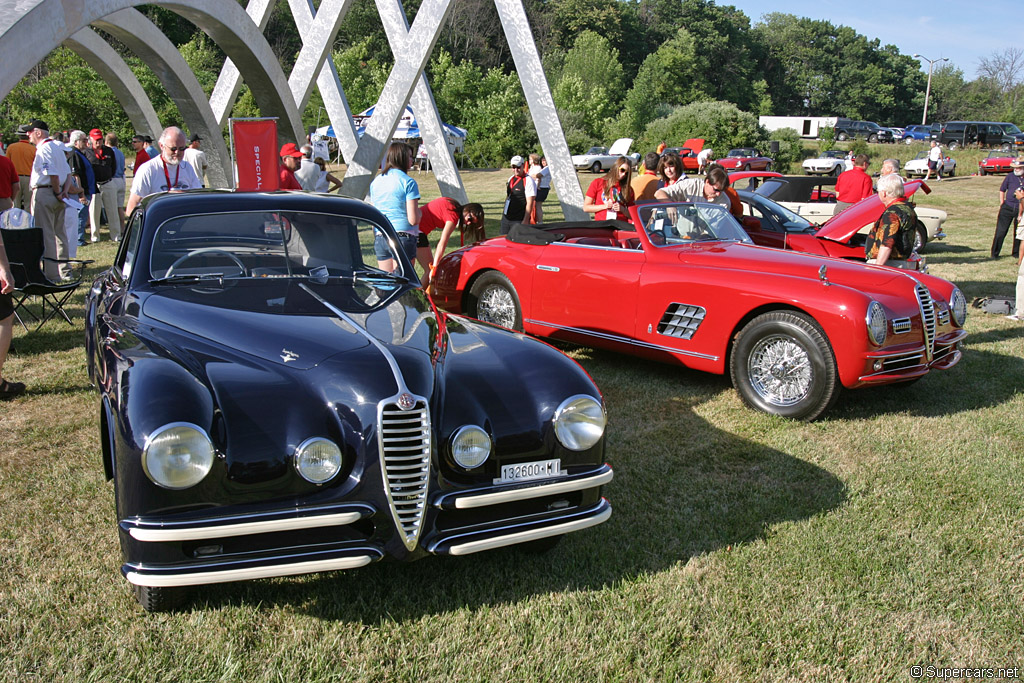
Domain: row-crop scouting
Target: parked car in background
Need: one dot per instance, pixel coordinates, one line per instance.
(598, 159)
(684, 284)
(808, 197)
(897, 133)
(849, 129)
(688, 154)
(999, 134)
(771, 224)
(996, 162)
(273, 403)
(918, 166)
(746, 159)
(912, 134)
(832, 162)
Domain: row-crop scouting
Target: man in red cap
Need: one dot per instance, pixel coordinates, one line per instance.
(103, 166)
(290, 159)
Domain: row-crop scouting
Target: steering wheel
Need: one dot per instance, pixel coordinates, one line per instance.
(657, 237)
(206, 250)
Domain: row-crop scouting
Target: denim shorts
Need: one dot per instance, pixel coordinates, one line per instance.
(406, 242)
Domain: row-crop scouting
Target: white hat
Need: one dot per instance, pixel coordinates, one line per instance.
(517, 161)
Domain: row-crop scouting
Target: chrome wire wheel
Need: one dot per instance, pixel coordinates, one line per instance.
(780, 370)
(495, 305)
(781, 362)
(493, 299)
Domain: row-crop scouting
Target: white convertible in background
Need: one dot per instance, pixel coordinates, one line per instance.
(598, 159)
(918, 166)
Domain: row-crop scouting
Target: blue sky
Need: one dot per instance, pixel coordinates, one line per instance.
(963, 30)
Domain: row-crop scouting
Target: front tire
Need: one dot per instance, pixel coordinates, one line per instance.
(953, 144)
(836, 170)
(872, 138)
(768, 168)
(162, 599)
(908, 141)
(782, 363)
(595, 167)
(982, 171)
(842, 137)
(493, 299)
(920, 237)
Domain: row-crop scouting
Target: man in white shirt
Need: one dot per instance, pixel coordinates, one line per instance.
(49, 171)
(196, 158)
(164, 173)
(704, 159)
(710, 189)
(308, 173)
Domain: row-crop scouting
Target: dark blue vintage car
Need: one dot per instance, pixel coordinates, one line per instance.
(273, 402)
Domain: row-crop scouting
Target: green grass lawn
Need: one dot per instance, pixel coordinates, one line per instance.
(742, 547)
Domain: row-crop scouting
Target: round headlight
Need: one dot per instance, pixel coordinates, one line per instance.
(580, 422)
(878, 326)
(958, 306)
(471, 446)
(177, 455)
(317, 460)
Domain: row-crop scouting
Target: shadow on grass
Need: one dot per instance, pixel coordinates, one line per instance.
(682, 488)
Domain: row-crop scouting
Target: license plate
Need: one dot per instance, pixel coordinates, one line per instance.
(526, 471)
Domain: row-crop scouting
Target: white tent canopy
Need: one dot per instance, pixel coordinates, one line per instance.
(407, 129)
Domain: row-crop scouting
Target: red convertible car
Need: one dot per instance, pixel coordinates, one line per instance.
(689, 287)
(996, 162)
(745, 159)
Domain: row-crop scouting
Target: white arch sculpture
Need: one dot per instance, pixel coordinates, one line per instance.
(239, 34)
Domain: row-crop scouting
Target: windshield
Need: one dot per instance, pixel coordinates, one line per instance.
(833, 154)
(740, 153)
(1011, 128)
(262, 244)
(791, 221)
(669, 224)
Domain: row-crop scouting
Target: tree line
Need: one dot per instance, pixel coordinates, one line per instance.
(649, 69)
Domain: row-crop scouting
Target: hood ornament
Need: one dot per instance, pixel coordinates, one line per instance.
(406, 402)
(288, 356)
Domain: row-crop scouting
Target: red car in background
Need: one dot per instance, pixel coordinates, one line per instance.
(745, 159)
(996, 162)
(684, 284)
(688, 153)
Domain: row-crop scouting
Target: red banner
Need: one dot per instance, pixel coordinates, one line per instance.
(255, 143)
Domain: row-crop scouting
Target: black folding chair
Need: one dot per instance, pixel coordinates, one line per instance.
(25, 253)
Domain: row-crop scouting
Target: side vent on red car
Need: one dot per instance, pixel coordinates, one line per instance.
(681, 320)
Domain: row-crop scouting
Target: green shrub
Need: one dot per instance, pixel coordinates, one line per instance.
(827, 139)
(790, 149)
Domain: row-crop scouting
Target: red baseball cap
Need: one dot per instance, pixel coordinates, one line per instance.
(290, 150)
(96, 134)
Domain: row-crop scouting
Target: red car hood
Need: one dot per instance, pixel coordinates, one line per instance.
(843, 226)
(694, 144)
(737, 256)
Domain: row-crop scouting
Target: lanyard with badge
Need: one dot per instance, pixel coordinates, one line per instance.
(167, 175)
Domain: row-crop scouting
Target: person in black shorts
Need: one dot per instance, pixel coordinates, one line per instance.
(7, 389)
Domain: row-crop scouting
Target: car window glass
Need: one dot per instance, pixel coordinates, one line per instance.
(684, 223)
(269, 244)
(769, 187)
(133, 233)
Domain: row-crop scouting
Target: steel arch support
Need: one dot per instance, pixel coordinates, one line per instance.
(98, 54)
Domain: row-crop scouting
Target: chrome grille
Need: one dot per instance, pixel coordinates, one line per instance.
(404, 441)
(681, 320)
(901, 325)
(924, 301)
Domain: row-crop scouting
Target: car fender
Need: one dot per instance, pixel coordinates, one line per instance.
(509, 384)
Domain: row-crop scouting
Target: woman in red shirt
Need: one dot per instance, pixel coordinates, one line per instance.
(610, 196)
(446, 213)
